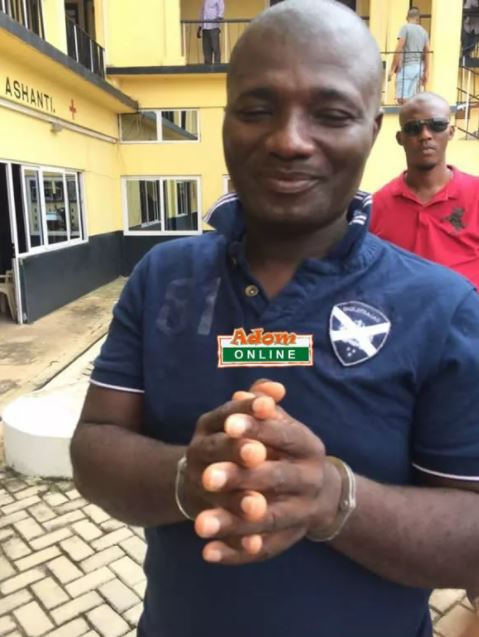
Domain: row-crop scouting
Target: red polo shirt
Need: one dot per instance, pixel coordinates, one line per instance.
(445, 229)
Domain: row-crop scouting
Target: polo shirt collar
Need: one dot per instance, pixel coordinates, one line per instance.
(227, 218)
(450, 191)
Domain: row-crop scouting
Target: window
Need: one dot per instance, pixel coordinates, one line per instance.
(52, 207)
(160, 126)
(166, 205)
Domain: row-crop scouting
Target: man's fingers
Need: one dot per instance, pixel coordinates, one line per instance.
(220, 552)
(276, 391)
(283, 434)
(213, 421)
(207, 450)
(274, 477)
(252, 453)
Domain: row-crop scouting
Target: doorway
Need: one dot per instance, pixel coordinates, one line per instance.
(10, 301)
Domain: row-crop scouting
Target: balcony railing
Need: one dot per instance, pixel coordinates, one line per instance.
(192, 46)
(26, 12)
(467, 114)
(82, 48)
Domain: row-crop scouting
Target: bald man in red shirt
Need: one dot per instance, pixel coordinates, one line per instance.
(431, 209)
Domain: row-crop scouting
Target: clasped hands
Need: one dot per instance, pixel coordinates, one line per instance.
(257, 479)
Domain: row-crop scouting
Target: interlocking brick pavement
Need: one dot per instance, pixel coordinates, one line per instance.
(69, 570)
(66, 568)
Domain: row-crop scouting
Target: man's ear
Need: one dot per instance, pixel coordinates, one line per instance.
(399, 138)
(452, 130)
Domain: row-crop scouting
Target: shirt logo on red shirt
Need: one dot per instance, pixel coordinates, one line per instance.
(455, 219)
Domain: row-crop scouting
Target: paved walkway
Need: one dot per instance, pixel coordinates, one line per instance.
(69, 570)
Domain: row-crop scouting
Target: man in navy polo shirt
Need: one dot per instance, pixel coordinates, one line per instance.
(377, 349)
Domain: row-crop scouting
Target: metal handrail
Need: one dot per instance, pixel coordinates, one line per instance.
(84, 49)
(28, 13)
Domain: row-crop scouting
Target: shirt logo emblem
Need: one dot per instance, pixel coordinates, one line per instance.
(265, 349)
(357, 332)
(455, 219)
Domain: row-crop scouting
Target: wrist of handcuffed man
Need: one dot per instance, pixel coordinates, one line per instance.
(346, 504)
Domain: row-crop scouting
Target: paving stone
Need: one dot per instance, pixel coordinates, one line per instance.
(89, 582)
(76, 607)
(110, 539)
(6, 569)
(49, 593)
(103, 558)
(72, 494)
(21, 504)
(133, 614)
(6, 625)
(76, 548)
(64, 485)
(5, 498)
(92, 633)
(21, 581)
(95, 513)
(128, 570)
(107, 622)
(111, 525)
(444, 598)
(14, 600)
(64, 570)
(41, 512)
(29, 528)
(15, 634)
(118, 595)
(132, 633)
(139, 531)
(63, 520)
(50, 538)
(86, 530)
(33, 619)
(54, 499)
(14, 484)
(74, 628)
(37, 558)
(16, 548)
(6, 533)
(455, 622)
(30, 491)
(71, 505)
(140, 588)
(6, 520)
(135, 548)
(467, 604)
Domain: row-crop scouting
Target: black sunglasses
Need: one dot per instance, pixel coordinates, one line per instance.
(434, 125)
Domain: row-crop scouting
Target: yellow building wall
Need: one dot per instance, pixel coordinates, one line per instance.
(48, 88)
(150, 36)
(54, 23)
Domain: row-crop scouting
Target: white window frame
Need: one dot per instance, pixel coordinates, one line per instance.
(46, 247)
(163, 233)
(159, 127)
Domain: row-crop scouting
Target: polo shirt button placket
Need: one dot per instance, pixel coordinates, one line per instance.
(251, 291)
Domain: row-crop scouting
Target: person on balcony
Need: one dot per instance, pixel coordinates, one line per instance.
(411, 58)
(334, 513)
(431, 209)
(212, 13)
